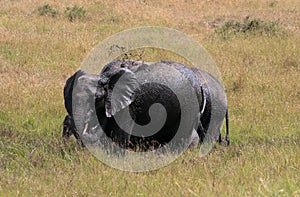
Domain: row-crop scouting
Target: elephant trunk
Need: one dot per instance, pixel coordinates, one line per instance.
(84, 110)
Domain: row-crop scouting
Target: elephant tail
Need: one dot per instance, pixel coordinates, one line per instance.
(227, 129)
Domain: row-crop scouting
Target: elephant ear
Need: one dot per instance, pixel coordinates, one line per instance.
(68, 90)
(120, 90)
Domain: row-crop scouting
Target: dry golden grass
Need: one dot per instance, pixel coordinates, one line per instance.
(260, 73)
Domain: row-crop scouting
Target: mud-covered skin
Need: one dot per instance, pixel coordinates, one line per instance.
(193, 75)
(139, 111)
(212, 102)
(146, 95)
(210, 93)
(199, 84)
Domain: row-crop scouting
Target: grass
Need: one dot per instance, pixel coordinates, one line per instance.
(249, 26)
(75, 13)
(260, 73)
(47, 10)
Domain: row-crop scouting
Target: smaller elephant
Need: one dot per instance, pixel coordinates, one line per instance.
(212, 101)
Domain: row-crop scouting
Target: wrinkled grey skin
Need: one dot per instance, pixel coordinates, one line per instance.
(212, 101)
(142, 71)
(108, 106)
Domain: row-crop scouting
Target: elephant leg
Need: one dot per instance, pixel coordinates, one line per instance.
(194, 140)
(225, 142)
(213, 132)
(70, 129)
(201, 131)
(76, 135)
(227, 128)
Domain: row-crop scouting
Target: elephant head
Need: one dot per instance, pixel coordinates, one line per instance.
(94, 101)
(68, 124)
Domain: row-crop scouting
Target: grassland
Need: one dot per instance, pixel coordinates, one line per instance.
(260, 72)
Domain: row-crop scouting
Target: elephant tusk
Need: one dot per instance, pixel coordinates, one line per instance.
(85, 128)
(204, 102)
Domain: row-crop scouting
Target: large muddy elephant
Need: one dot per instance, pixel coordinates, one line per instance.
(132, 99)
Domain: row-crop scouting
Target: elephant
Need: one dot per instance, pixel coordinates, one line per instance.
(122, 90)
